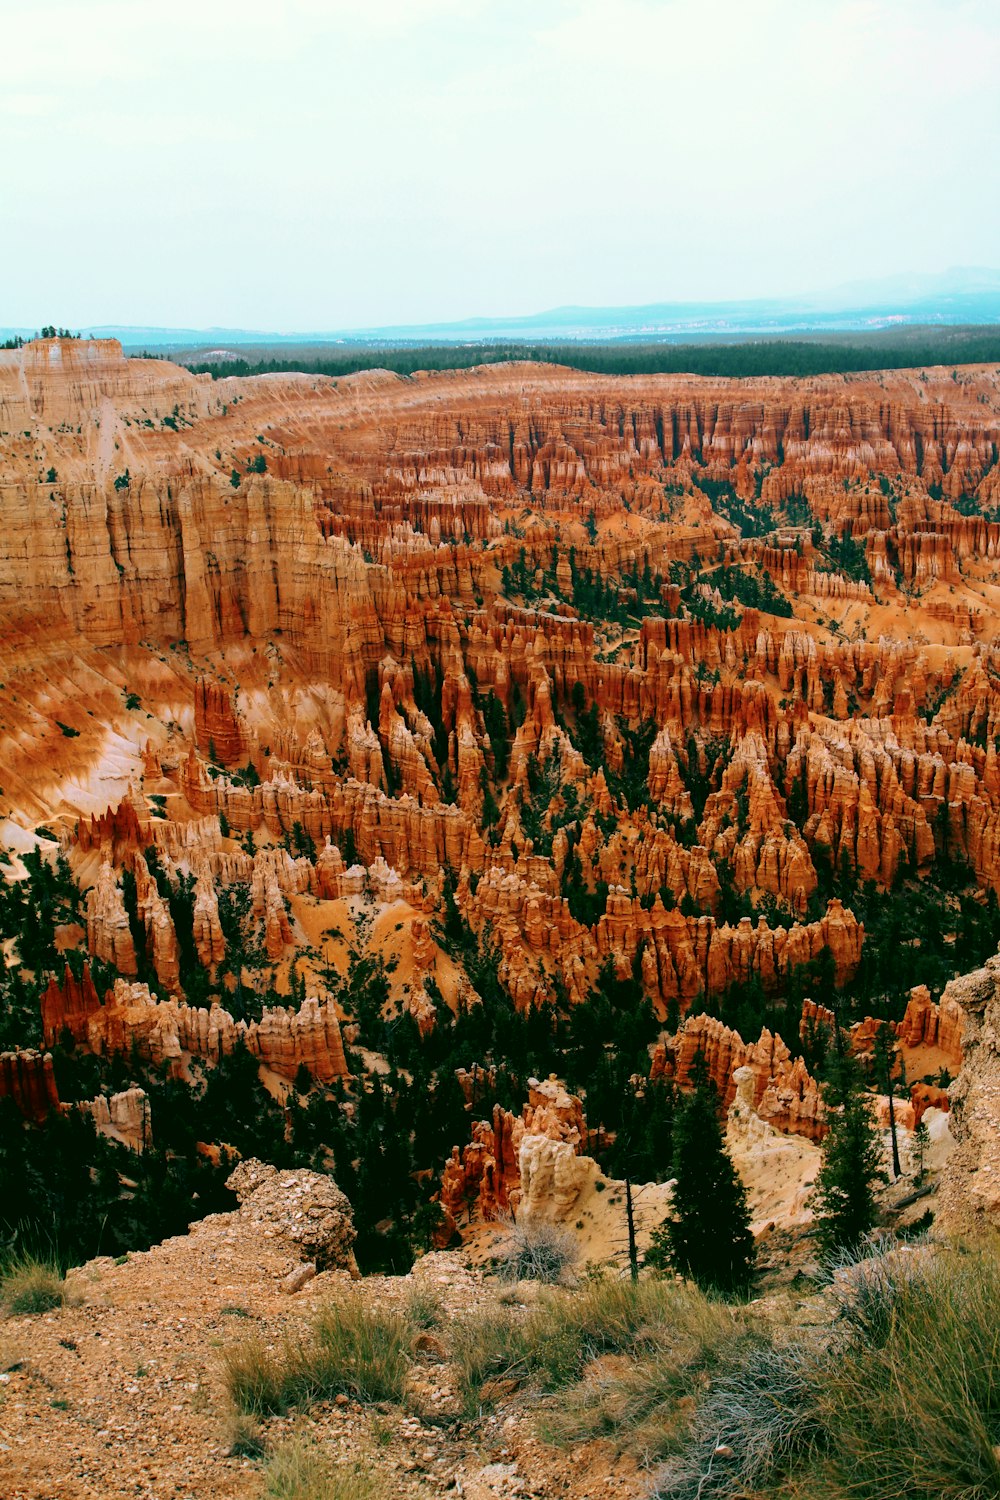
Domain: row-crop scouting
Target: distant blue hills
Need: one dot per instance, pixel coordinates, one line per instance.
(961, 296)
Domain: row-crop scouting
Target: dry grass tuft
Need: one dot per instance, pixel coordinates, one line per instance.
(298, 1471)
(424, 1308)
(253, 1375)
(244, 1438)
(11, 1355)
(31, 1286)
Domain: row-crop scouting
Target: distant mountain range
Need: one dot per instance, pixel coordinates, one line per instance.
(963, 295)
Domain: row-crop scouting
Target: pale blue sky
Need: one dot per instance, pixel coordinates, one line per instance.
(318, 164)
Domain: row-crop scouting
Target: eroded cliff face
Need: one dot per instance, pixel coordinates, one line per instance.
(648, 678)
(132, 1020)
(528, 1165)
(970, 1196)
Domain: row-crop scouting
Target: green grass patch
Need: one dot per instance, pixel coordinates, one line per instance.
(900, 1401)
(349, 1350)
(665, 1328)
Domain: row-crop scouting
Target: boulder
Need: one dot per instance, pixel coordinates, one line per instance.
(305, 1210)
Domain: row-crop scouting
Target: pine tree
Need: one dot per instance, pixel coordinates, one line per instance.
(852, 1161)
(708, 1238)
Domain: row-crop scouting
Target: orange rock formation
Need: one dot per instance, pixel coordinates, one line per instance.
(477, 637)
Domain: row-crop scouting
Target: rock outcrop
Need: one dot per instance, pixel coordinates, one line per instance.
(970, 1192)
(784, 1093)
(109, 936)
(124, 1117)
(304, 1210)
(925, 1024)
(132, 1018)
(778, 1170)
(464, 663)
(523, 1164)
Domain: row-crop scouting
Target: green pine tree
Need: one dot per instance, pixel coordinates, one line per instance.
(708, 1238)
(844, 1196)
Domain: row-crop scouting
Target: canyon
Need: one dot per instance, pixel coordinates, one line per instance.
(656, 682)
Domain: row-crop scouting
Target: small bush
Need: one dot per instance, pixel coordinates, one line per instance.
(298, 1471)
(535, 1251)
(31, 1286)
(349, 1350)
(759, 1418)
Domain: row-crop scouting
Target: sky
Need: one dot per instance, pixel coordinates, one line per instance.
(320, 164)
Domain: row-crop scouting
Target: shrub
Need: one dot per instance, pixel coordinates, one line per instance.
(759, 1418)
(349, 1350)
(31, 1286)
(535, 1251)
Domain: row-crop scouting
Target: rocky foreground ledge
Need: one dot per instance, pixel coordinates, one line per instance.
(119, 1393)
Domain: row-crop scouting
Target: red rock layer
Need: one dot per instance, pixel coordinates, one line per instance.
(68, 1007)
(345, 619)
(28, 1079)
(216, 728)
